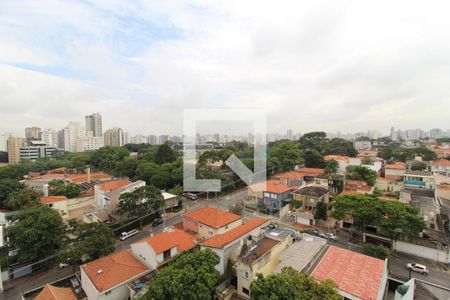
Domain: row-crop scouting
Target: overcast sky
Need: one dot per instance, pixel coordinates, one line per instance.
(313, 65)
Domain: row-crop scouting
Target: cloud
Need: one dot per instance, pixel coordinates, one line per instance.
(312, 65)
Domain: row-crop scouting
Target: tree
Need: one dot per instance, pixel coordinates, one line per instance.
(36, 233)
(364, 210)
(284, 156)
(8, 186)
(23, 198)
(127, 167)
(79, 161)
(145, 171)
(290, 284)
(141, 202)
(165, 154)
(339, 146)
(237, 209)
(60, 187)
(321, 211)
(331, 167)
(3, 157)
(91, 241)
(106, 158)
(313, 159)
(361, 173)
(418, 166)
(313, 140)
(377, 251)
(191, 276)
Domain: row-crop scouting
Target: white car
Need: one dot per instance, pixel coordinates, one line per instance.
(63, 265)
(417, 268)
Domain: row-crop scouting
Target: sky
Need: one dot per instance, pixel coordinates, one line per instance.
(311, 65)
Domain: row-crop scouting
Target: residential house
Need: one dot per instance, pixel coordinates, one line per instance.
(420, 179)
(358, 276)
(107, 194)
(50, 292)
(308, 174)
(228, 245)
(358, 186)
(386, 185)
(305, 218)
(344, 162)
(170, 200)
(58, 203)
(334, 182)
(275, 196)
(441, 166)
(259, 257)
(310, 195)
(107, 277)
(394, 171)
(209, 221)
(290, 178)
(162, 247)
(411, 164)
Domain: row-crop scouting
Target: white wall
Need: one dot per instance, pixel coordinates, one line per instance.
(88, 287)
(145, 254)
(421, 251)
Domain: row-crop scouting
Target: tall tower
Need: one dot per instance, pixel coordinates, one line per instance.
(94, 124)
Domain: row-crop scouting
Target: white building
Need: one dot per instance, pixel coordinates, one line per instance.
(74, 135)
(50, 137)
(4, 142)
(94, 124)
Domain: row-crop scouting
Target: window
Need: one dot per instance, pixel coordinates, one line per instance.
(245, 274)
(245, 291)
(266, 194)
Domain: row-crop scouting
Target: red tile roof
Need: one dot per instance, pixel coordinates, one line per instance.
(115, 269)
(50, 292)
(51, 176)
(112, 185)
(272, 186)
(223, 239)
(336, 157)
(395, 166)
(442, 162)
(84, 177)
(310, 171)
(52, 199)
(212, 217)
(290, 175)
(167, 240)
(357, 274)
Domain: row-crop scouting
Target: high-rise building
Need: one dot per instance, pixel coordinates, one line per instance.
(50, 137)
(163, 139)
(115, 137)
(74, 134)
(35, 150)
(289, 134)
(435, 133)
(152, 139)
(90, 142)
(32, 133)
(3, 142)
(14, 144)
(60, 139)
(94, 124)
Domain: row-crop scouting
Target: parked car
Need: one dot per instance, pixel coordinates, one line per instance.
(157, 222)
(328, 235)
(417, 268)
(190, 196)
(62, 265)
(126, 235)
(312, 231)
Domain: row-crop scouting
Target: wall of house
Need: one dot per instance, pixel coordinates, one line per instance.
(191, 225)
(383, 285)
(421, 251)
(61, 207)
(88, 287)
(120, 292)
(394, 174)
(145, 254)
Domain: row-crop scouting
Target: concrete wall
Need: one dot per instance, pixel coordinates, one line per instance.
(145, 254)
(421, 251)
(88, 287)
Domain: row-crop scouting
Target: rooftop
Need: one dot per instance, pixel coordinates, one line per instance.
(336, 157)
(300, 253)
(221, 240)
(52, 199)
(310, 171)
(111, 185)
(357, 274)
(50, 292)
(212, 216)
(442, 162)
(395, 166)
(418, 173)
(261, 247)
(272, 186)
(167, 240)
(110, 271)
(312, 191)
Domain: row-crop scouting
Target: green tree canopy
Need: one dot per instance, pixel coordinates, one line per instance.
(339, 146)
(313, 141)
(8, 186)
(23, 198)
(313, 159)
(366, 210)
(284, 156)
(91, 241)
(377, 251)
(321, 211)
(331, 167)
(165, 154)
(191, 277)
(362, 173)
(60, 187)
(106, 158)
(141, 202)
(38, 233)
(290, 284)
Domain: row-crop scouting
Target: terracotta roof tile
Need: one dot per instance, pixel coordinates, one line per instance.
(111, 185)
(110, 271)
(395, 166)
(212, 217)
(50, 292)
(50, 176)
(167, 240)
(223, 239)
(310, 171)
(52, 199)
(84, 177)
(354, 273)
(272, 186)
(442, 162)
(336, 157)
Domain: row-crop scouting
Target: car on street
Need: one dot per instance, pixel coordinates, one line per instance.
(157, 222)
(63, 265)
(417, 268)
(126, 235)
(328, 235)
(312, 231)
